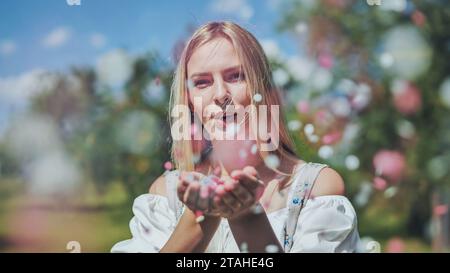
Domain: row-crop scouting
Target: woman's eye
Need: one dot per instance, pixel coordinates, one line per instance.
(201, 83)
(235, 77)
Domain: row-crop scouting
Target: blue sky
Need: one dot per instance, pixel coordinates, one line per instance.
(52, 35)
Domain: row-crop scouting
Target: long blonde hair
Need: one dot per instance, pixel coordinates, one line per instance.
(257, 75)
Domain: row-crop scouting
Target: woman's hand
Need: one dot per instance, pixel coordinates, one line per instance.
(196, 195)
(188, 189)
(240, 192)
(234, 196)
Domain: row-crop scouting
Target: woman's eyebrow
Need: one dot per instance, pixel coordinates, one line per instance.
(232, 69)
(226, 70)
(199, 74)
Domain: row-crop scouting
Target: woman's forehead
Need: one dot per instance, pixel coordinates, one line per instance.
(216, 55)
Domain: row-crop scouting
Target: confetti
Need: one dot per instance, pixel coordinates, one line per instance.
(257, 97)
(254, 149)
(437, 167)
(272, 161)
(168, 165)
(386, 60)
(395, 245)
(352, 162)
(363, 195)
(440, 210)
(390, 192)
(379, 183)
(326, 152)
(325, 60)
(190, 84)
(331, 138)
(313, 138)
(196, 158)
(258, 209)
(244, 247)
(444, 92)
(301, 27)
(271, 249)
(199, 217)
(294, 125)
(231, 130)
(243, 154)
(217, 171)
(303, 107)
(309, 129)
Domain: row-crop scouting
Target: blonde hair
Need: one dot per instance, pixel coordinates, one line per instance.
(257, 75)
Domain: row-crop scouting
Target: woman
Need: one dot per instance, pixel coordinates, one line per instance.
(267, 198)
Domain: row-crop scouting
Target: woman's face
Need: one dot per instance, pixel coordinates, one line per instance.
(215, 78)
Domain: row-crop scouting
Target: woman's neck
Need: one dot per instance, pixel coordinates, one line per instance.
(285, 169)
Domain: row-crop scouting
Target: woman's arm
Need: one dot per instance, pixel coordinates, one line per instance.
(235, 201)
(188, 236)
(255, 230)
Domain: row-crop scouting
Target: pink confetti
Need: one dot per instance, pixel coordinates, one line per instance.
(418, 18)
(331, 138)
(217, 171)
(379, 183)
(204, 191)
(168, 165)
(395, 245)
(325, 60)
(390, 164)
(303, 107)
(199, 217)
(440, 210)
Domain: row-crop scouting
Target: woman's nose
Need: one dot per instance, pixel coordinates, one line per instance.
(221, 93)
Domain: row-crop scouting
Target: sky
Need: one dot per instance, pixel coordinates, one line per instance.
(58, 34)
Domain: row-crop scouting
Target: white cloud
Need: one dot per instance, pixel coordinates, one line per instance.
(16, 90)
(57, 37)
(97, 40)
(7, 47)
(241, 8)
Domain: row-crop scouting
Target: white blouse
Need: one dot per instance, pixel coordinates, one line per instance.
(325, 224)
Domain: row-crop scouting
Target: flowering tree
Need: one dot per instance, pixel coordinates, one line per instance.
(371, 88)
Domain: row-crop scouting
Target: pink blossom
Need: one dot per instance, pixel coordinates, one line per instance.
(390, 164)
(395, 245)
(379, 183)
(303, 107)
(418, 18)
(168, 165)
(325, 60)
(408, 100)
(331, 138)
(440, 210)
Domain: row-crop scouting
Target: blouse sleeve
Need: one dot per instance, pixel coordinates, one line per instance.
(326, 224)
(151, 226)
